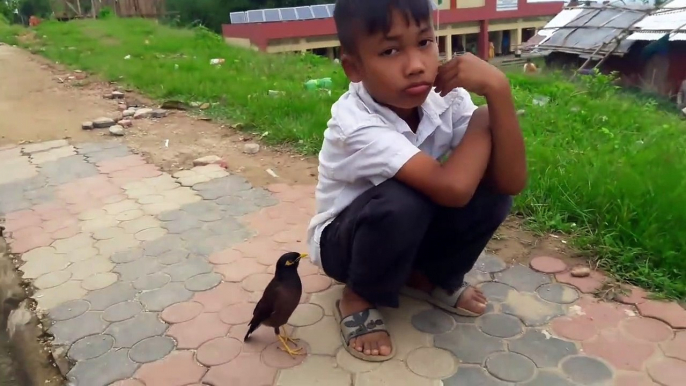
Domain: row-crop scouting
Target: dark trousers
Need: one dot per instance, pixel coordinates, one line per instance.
(391, 230)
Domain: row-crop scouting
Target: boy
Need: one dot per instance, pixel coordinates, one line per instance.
(391, 218)
(529, 67)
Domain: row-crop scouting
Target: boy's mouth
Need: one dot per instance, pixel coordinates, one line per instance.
(418, 88)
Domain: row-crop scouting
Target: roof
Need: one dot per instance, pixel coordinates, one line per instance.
(667, 19)
(590, 30)
(309, 12)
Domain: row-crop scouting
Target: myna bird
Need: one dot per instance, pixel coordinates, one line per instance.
(279, 300)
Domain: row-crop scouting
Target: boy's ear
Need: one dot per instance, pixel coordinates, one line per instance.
(351, 66)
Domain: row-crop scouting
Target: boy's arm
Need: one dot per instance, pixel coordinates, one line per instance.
(454, 182)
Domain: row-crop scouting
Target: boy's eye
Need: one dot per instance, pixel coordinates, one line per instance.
(389, 52)
(426, 42)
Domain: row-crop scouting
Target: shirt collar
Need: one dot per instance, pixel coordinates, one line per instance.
(432, 108)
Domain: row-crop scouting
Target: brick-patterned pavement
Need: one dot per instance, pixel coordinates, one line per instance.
(149, 279)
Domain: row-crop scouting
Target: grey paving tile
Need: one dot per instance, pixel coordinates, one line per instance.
(469, 344)
(500, 325)
(69, 310)
(510, 367)
(90, 347)
(152, 349)
(586, 371)
(104, 370)
(118, 292)
(523, 279)
(549, 378)
(131, 331)
(122, 311)
(558, 293)
(69, 331)
(545, 351)
(159, 299)
(472, 375)
(433, 321)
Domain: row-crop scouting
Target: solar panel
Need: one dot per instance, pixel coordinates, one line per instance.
(320, 11)
(272, 15)
(288, 14)
(304, 13)
(255, 16)
(331, 7)
(237, 17)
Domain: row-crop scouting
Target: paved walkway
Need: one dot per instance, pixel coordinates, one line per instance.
(150, 278)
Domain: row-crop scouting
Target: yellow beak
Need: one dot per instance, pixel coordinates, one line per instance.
(301, 256)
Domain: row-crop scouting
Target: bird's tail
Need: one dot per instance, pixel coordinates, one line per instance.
(251, 328)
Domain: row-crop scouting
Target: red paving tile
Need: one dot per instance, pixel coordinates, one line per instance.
(84, 206)
(586, 285)
(258, 247)
(28, 243)
(193, 333)
(633, 379)
(574, 328)
(259, 339)
(635, 296)
(120, 163)
(668, 371)
(646, 329)
(60, 223)
(67, 232)
(237, 313)
(177, 369)
(245, 370)
(240, 269)
(603, 314)
(278, 188)
(128, 382)
(547, 264)
(221, 296)
(218, 351)
(669, 312)
(181, 312)
(623, 353)
(27, 219)
(676, 348)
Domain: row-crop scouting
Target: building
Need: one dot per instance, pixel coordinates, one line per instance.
(461, 25)
(646, 45)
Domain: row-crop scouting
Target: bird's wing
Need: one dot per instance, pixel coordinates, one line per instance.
(265, 307)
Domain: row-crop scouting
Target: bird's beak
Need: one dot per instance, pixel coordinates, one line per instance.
(301, 256)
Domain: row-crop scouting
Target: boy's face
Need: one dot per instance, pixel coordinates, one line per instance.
(397, 69)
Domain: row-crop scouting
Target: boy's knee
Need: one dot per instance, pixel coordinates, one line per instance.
(500, 207)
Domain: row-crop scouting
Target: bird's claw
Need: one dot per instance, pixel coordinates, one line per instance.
(290, 351)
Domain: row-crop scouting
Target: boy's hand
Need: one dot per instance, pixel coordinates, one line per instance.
(471, 73)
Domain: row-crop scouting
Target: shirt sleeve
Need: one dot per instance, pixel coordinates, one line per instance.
(463, 107)
(374, 153)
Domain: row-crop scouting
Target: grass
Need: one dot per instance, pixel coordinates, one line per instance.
(605, 166)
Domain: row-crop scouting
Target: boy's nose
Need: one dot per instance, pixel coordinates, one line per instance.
(415, 64)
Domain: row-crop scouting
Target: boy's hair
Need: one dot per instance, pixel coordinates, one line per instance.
(373, 16)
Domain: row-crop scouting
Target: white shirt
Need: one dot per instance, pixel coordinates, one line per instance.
(366, 143)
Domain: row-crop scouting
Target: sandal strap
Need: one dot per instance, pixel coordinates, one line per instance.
(449, 298)
(361, 323)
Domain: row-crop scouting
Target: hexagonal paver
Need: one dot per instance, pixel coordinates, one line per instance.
(433, 321)
(218, 351)
(500, 325)
(151, 349)
(178, 368)
(101, 299)
(530, 309)
(542, 349)
(70, 330)
(618, 350)
(522, 278)
(316, 369)
(131, 331)
(104, 370)
(558, 293)
(90, 347)
(510, 367)
(586, 371)
(193, 333)
(473, 375)
(469, 344)
(122, 311)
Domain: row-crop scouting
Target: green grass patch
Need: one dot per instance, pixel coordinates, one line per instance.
(605, 166)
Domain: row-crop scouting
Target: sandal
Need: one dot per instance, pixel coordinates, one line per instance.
(442, 299)
(358, 324)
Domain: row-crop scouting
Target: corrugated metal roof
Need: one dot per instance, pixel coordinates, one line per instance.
(587, 29)
(662, 21)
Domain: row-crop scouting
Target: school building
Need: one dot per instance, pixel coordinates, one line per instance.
(462, 25)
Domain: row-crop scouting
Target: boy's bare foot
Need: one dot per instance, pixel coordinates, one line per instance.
(472, 299)
(374, 343)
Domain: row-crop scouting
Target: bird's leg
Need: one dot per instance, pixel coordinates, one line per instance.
(288, 338)
(284, 339)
